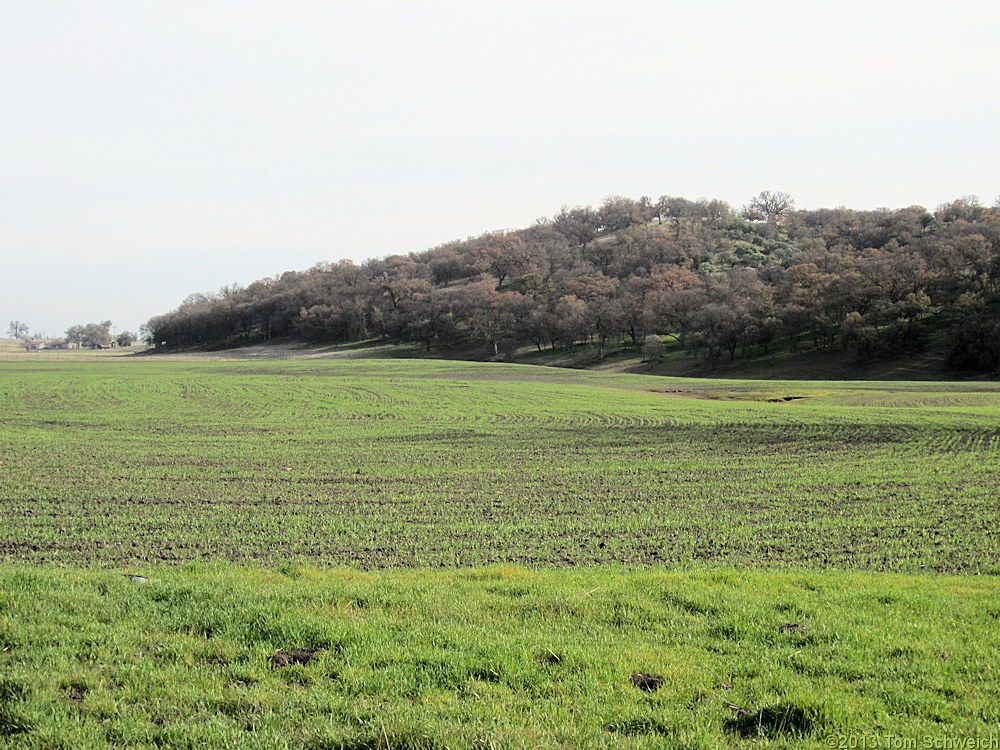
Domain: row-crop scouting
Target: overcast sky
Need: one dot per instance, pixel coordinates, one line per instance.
(149, 150)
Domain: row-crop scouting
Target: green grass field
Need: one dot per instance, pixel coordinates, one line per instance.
(803, 563)
(496, 657)
(424, 464)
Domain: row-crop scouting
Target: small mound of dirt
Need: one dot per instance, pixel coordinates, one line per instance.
(646, 682)
(288, 657)
(791, 627)
(76, 693)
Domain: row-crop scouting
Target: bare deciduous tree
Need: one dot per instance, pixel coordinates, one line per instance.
(17, 329)
(768, 206)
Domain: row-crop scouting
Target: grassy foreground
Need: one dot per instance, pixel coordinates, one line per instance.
(496, 657)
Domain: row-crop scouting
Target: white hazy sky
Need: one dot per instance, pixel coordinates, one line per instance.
(153, 149)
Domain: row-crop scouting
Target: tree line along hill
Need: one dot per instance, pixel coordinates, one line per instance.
(723, 285)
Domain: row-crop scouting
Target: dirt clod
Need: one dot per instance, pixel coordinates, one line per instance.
(647, 682)
(290, 656)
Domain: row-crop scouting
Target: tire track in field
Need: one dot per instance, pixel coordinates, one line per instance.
(443, 406)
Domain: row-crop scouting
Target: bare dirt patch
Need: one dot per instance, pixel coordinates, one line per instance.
(288, 657)
(646, 682)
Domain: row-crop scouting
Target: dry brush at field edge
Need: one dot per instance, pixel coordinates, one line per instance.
(432, 464)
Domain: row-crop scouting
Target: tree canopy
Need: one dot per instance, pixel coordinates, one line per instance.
(17, 329)
(90, 334)
(727, 284)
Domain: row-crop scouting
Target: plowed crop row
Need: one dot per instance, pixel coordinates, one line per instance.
(423, 464)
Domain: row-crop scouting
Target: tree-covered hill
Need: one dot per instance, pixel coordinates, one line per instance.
(726, 285)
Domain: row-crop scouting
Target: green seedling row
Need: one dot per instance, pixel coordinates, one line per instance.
(384, 464)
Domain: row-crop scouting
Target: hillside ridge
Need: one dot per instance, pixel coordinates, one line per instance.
(688, 287)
